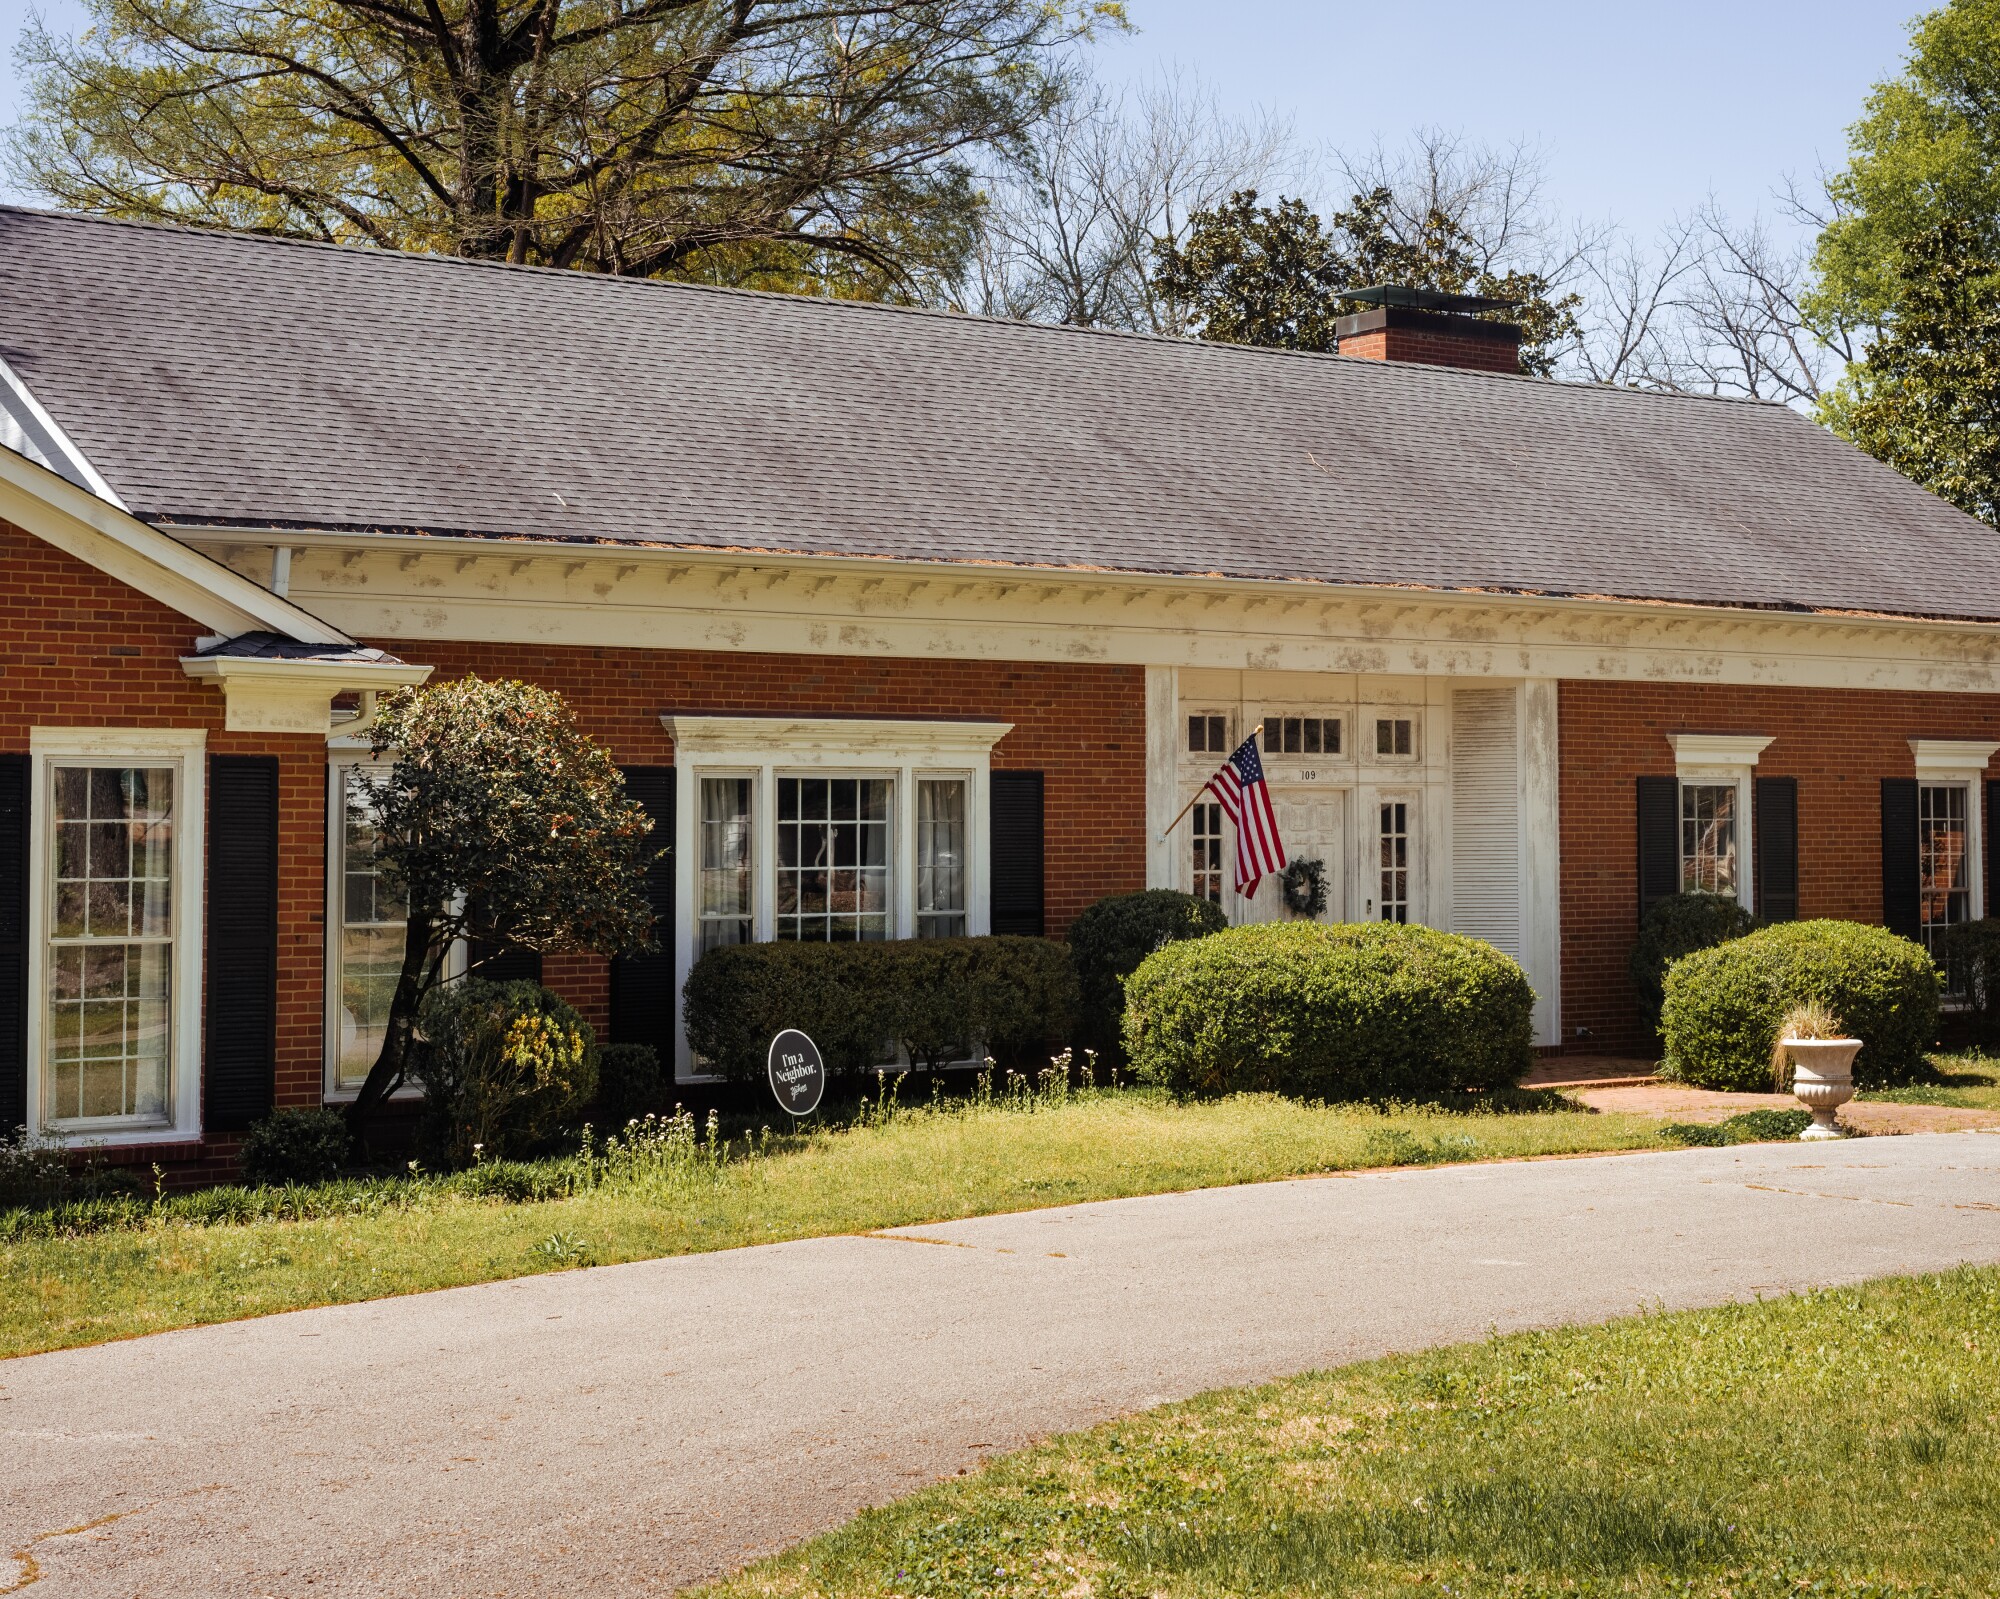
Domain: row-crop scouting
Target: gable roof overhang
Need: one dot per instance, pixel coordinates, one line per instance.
(47, 505)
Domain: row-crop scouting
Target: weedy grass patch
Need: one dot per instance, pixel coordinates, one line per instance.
(83, 1275)
(1844, 1442)
(1970, 1081)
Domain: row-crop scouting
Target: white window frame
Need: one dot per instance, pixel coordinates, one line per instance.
(1961, 763)
(766, 748)
(1723, 760)
(344, 755)
(184, 749)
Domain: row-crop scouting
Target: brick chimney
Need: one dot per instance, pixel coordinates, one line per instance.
(1425, 325)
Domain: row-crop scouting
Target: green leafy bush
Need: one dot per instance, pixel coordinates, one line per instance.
(1109, 940)
(1350, 1011)
(1972, 961)
(1723, 1007)
(503, 1067)
(630, 1083)
(299, 1144)
(940, 999)
(1679, 925)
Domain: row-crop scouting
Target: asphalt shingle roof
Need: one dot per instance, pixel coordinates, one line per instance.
(221, 378)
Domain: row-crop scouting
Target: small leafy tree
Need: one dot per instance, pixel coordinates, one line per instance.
(1277, 275)
(500, 822)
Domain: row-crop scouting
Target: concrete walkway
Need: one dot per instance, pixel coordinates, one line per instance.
(633, 1428)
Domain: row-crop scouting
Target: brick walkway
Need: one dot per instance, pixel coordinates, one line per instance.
(1611, 1083)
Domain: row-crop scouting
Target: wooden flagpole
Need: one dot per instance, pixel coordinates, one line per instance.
(1176, 822)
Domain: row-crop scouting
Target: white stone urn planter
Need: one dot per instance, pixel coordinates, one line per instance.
(1822, 1079)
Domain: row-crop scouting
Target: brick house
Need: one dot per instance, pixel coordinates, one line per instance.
(957, 611)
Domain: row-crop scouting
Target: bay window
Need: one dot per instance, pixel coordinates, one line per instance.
(115, 961)
(830, 830)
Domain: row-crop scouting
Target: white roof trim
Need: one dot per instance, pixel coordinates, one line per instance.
(28, 429)
(43, 502)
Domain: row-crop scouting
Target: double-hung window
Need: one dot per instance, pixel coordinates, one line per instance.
(1708, 838)
(368, 921)
(1944, 875)
(1716, 771)
(941, 860)
(115, 963)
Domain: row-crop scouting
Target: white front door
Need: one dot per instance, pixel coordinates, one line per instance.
(1311, 823)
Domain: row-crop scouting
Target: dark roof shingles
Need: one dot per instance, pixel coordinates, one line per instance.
(239, 380)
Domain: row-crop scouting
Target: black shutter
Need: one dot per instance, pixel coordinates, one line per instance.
(1992, 850)
(240, 1056)
(1778, 849)
(13, 942)
(1901, 892)
(1659, 840)
(642, 986)
(1017, 854)
(505, 966)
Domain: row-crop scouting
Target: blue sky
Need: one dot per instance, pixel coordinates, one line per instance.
(1641, 110)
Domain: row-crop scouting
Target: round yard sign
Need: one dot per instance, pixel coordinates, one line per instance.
(798, 1075)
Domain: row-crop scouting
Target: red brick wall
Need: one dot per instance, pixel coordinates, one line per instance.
(1082, 726)
(1432, 348)
(1838, 744)
(81, 649)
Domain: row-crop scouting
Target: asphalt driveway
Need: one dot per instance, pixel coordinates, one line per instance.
(633, 1428)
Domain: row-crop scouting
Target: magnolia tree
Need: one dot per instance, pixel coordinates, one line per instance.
(501, 823)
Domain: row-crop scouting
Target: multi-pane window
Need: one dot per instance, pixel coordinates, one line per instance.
(941, 847)
(373, 923)
(1302, 735)
(1395, 837)
(724, 909)
(111, 944)
(1208, 852)
(1708, 839)
(1943, 871)
(833, 858)
(1208, 735)
(1395, 735)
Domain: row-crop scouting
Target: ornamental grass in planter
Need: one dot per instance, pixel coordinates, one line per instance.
(1816, 1055)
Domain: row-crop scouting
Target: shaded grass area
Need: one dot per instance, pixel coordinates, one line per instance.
(1971, 1082)
(891, 1169)
(1844, 1442)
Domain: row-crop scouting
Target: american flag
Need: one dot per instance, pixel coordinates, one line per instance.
(1241, 790)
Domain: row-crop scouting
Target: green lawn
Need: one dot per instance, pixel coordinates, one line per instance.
(1971, 1081)
(917, 1166)
(1845, 1442)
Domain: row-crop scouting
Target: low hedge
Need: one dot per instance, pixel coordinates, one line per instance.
(1723, 1005)
(1316, 1011)
(940, 999)
(1109, 940)
(1679, 925)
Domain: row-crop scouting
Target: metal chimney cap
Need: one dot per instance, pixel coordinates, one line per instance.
(1390, 294)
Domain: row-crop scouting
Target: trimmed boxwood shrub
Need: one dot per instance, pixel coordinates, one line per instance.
(1679, 925)
(939, 998)
(1724, 1004)
(1109, 940)
(298, 1144)
(1349, 1011)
